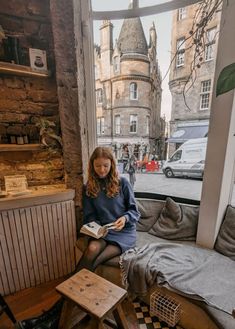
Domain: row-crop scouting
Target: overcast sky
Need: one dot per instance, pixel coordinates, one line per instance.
(163, 27)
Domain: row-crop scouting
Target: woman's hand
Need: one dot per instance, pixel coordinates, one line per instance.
(120, 223)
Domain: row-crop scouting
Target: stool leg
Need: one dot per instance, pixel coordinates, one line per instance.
(120, 317)
(7, 309)
(101, 325)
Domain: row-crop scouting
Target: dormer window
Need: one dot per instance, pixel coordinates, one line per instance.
(133, 91)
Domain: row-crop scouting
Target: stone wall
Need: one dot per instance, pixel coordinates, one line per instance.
(23, 100)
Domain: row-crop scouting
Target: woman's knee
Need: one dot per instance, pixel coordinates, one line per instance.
(94, 247)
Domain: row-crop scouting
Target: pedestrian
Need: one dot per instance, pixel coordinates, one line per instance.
(108, 198)
(132, 165)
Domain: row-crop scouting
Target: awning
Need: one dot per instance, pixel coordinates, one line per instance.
(182, 134)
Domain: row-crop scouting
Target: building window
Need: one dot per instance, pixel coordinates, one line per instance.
(180, 51)
(116, 64)
(133, 91)
(205, 95)
(99, 96)
(210, 44)
(147, 124)
(181, 13)
(100, 125)
(133, 123)
(96, 72)
(117, 124)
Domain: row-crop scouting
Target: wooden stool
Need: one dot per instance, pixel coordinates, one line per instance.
(94, 295)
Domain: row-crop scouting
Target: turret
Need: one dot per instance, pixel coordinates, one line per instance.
(106, 36)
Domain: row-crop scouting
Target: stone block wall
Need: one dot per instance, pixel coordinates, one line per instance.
(23, 100)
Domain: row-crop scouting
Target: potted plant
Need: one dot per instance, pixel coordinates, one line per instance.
(48, 136)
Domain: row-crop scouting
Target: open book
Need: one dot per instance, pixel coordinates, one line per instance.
(95, 230)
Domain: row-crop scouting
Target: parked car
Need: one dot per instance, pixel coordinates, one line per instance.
(188, 160)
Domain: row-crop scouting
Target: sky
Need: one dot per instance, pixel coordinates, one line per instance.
(163, 27)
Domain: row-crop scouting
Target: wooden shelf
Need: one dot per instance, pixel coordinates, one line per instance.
(15, 69)
(16, 147)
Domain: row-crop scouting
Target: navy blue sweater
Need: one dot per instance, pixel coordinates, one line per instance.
(104, 210)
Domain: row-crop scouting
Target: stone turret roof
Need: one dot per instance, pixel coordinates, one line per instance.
(132, 38)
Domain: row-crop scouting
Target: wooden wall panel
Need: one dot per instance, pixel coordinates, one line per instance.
(37, 244)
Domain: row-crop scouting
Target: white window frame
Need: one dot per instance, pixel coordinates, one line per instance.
(117, 123)
(182, 13)
(207, 230)
(205, 95)
(180, 52)
(210, 44)
(133, 87)
(133, 123)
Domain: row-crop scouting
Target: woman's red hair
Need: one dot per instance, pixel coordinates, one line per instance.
(112, 179)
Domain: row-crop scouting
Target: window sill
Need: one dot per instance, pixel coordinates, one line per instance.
(16, 147)
(15, 69)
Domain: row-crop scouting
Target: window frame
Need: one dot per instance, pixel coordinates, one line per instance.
(203, 238)
(210, 45)
(117, 131)
(147, 125)
(116, 64)
(100, 126)
(205, 94)
(133, 123)
(182, 13)
(180, 52)
(99, 96)
(133, 91)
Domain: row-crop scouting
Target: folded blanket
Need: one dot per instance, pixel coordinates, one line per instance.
(195, 272)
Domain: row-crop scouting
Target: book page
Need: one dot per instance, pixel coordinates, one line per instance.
(93, 229)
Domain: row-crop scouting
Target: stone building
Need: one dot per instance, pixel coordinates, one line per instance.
(128, 90)
(190, 114)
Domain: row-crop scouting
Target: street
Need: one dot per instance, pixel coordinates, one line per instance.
(180, 187)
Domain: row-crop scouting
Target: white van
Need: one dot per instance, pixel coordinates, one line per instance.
(188, 160)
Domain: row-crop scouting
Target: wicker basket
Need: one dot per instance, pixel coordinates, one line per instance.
(165, 308)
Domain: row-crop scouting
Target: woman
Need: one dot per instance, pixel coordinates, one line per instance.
(108, 199)
(131, 170)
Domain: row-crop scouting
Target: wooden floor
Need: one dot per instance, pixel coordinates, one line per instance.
(33, 301)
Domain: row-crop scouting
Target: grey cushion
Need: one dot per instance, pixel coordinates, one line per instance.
(225, 243)
(149, 213)
(176, 222)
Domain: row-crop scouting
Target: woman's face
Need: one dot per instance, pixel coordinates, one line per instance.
(102, 167)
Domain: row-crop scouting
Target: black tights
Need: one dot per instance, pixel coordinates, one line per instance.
(97, 252)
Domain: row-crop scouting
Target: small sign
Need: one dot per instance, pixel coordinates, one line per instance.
(38, 59)
(16, 183)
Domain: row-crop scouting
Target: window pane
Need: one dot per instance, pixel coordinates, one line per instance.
(181, 13)
(102, 125)
(180, 46)
(147, 101)
(133, 123)
(117, 124)
(133, 91)
(210, 44)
